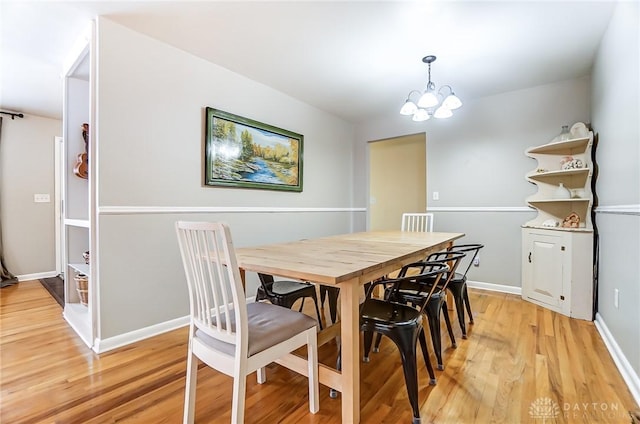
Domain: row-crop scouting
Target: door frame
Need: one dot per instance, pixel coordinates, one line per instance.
(58, 191)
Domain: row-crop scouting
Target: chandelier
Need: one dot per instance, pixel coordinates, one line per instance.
(437, 103)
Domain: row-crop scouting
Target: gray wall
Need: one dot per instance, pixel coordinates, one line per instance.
(476, 161)
(615, 114)
(150, 128)
(27, 168)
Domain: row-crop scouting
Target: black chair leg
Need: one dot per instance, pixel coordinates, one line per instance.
(333, 393)
(457, 293)
(332, 293)
(315, 302)
(425, 354)
(333, 303)
(301, 305)
(447, 321)
(368, 338)
(468, 305)
(433, 315)
(376, 346)
(406, 342)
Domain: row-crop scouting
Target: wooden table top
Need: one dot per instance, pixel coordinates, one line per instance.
(335, 259)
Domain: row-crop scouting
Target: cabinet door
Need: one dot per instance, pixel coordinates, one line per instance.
(543, 269)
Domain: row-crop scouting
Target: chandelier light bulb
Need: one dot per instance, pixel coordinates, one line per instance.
(428, 99)
(420, 115)
(452, 102)
(443, 112)
(408, 108)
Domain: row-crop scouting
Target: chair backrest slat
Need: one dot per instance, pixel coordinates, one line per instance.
(216, 295)
(417, 222)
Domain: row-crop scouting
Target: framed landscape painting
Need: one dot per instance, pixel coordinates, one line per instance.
(240, 152)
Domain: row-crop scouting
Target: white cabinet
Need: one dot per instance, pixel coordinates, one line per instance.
(557, 245)
(557, 270)
(78, 235)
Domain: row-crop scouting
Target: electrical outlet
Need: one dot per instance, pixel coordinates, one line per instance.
(436, 195)
(616, 298)
(476, 261)
(41, 198)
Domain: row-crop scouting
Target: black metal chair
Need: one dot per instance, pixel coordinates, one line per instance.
(458, 284)
(285, 293)
(402, 324)
(436, 303)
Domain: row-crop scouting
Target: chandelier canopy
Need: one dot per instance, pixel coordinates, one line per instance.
(437, 103)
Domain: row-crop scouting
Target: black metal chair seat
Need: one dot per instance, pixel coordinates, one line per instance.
(285, 293)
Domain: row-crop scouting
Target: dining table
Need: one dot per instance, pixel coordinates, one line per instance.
(346, 261)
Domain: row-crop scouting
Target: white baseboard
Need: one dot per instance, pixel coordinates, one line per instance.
(105, 345)
(36, 276)
(628, 373)
(101, 346)
(495, 287)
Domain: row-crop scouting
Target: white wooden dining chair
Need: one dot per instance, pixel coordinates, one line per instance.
(413, 222)
(417, 222)
(225, 332)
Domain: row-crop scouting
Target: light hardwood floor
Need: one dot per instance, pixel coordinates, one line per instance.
(520, 364)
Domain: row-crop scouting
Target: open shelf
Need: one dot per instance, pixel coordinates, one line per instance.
(548, 176)
(569, 147)
(81, 268)
(83, 223)
(571, 178)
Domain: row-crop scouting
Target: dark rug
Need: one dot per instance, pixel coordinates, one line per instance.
(55, 287)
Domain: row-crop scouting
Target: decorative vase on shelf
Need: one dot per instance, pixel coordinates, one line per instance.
(562, 192)
(564, 134)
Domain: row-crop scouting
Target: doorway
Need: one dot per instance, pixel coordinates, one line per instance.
(397, 179)
(59, 211)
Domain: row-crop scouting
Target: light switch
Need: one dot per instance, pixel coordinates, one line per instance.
(436, 195)
(41, 198)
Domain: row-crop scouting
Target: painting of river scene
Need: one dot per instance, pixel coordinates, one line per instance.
(240, 152)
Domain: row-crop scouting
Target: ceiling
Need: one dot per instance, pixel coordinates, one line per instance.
(357, 59)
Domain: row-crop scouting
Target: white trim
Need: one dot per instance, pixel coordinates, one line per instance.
(104, 345)
(628, 374)
(131, 210)
(619, 209)
(58, 149)
(480, 209)
(495, 287)
(36, 276)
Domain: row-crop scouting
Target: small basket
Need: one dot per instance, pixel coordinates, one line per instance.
(82, 286)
